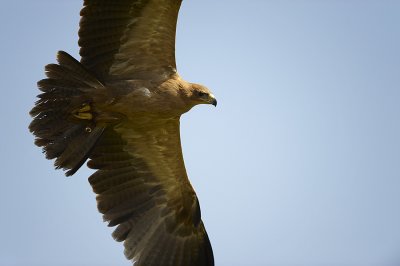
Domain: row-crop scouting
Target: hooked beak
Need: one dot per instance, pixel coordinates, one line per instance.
(212, 100)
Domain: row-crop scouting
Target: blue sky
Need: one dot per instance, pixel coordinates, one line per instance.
(298, 165)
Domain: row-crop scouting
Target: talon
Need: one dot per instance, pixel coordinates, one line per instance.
(84, 108)
(86, 116)
(83, 112)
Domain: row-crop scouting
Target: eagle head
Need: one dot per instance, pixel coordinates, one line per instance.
(199, 94)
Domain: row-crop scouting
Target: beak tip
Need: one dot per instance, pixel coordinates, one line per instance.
(214, 102)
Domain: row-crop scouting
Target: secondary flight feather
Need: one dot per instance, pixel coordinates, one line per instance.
(120, 108)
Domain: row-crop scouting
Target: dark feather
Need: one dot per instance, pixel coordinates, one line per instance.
(62, 137)
(159, 225)
(112, 46)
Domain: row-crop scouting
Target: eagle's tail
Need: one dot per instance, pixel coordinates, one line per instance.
(63, 122)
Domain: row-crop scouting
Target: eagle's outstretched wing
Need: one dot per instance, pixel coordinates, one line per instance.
(129, 39)
(143, 188)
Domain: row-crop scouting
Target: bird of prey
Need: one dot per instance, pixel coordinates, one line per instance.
(119, 108)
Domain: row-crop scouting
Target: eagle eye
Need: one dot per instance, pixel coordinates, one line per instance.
(201, 94)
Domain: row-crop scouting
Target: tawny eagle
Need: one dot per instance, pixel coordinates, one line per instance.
(119, 108)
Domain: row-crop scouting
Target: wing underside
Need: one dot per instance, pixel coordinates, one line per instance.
(148, 197)
(127, 39)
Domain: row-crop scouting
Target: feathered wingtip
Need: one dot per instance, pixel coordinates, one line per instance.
(63, 91)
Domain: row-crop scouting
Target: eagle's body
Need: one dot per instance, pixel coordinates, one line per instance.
(120, 108)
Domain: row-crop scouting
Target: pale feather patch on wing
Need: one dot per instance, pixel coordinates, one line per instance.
(144, 91)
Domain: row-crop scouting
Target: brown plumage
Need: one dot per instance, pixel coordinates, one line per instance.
(120, 108)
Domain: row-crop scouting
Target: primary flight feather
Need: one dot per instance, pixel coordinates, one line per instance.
(120, 107)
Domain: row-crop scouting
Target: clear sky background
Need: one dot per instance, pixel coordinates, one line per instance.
(298, 165)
